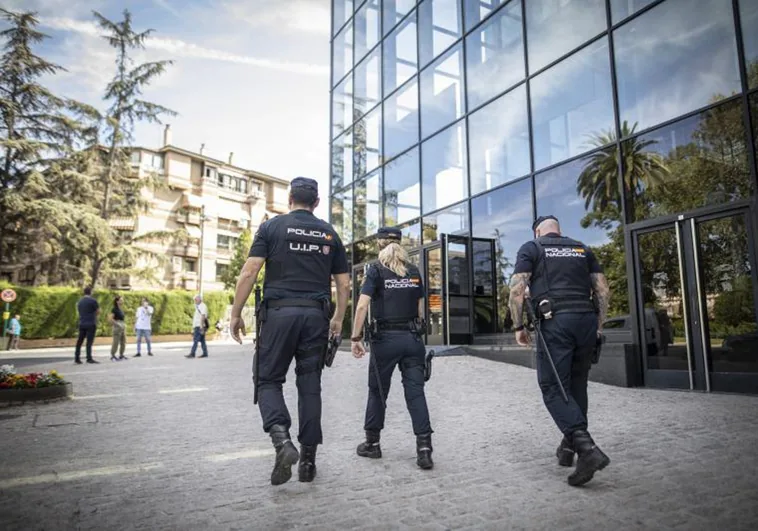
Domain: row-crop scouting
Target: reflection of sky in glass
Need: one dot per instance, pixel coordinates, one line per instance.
(367, 83)
(366, 28)
(400, 55)
(749, 22)
(620, 9)
(401, 120)
(342, 106)
(476, 10)
(411, 234)
(495, 56)
(440, 26)
(499, 141)
(342, 160)
(505, 215)
(571, 101)
(554, 28)
(443, 168)
(341, 11)
(453, 220)
(675, 58)
(367, 205)
(394, 10)
(442, 92)
(402, 189)
(343, 53)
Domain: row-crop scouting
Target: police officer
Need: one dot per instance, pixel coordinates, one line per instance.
(301, 254)
(563, 276)
(394, 291)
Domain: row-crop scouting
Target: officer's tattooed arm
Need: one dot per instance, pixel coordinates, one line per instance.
(519, 283)
(603, 296)
(342, 283)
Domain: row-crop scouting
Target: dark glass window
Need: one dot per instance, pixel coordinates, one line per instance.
(367, 135)
(572, 106)
(698, 161)
(555, 28)
(366, 250)
(400, 55)
(620, 9)
(342, 61)
(342, 213)
(411, 233)
(495, 55)
(341, 11)
(452, 220)
(342, 160)
(440, 26)
(367, 83)
(366, 24)
(443, 168)
(674, 58)
(442, 92)
(402, 189)
(342, 106)
(401, 120)
(478, 10)
(367, 209)
(499, 141)
(394, 10)
(749, 22)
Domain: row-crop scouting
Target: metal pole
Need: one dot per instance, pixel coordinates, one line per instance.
(5, 324)
(202, 244)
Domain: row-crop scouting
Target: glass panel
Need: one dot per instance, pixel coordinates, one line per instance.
(442, 92)
(367, 133)
(434, 296)
(402, 189)
(732, 331)
(342, 214)
(341, 11)
(687, 59)
(484, 317)
(484, 282)
(443, 168)
(546, 27)
(477, 10)
(620, 9)
(366, 250)
(401, 120)
(400, 55)
(749, 22)
(459, 320)
(367, 206)
(495, 55)
(499, 141)
(366, 24)
(342, 106)
(458, 276)
(367, 83)
(342, 161)
(343, 53)
(394, 10)
(665, 343)
(695, 162)
(440, 26)
(411, 234)
(571, 101)
(453, 220)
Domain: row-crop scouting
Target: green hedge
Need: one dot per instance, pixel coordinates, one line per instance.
(50, 312)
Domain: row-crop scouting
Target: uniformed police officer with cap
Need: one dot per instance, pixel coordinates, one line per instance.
(301, 254)
(394, 291)
(562, 275)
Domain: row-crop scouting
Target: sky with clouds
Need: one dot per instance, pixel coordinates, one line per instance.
(249, 76)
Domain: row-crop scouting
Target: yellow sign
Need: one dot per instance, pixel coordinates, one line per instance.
(6, 316)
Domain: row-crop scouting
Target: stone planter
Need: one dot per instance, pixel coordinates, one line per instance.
(42, 394)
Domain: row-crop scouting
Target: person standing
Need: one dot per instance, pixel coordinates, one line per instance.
(89, 311)
(199, 327)
(118, 322)
(143, 327)
(562, 276)
(395, 292)
(14, 329)
(301, 253)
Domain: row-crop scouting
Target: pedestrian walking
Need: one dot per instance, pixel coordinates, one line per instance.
(14, 330)
(143, 327)
(563, 277)
(200, 327)
(395, 293)
(118, 323)
(301, 253)
(89, 311)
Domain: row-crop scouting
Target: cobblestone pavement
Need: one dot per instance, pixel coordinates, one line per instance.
(170, 443)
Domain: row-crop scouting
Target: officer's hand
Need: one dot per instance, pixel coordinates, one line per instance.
(358, 349)
(235, 327)
(522, 338)
(335, 327)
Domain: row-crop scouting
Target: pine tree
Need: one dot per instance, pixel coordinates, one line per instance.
(241, 251)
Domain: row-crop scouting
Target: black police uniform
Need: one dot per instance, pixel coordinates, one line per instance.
(396, 341)
(561, 269)
(302, 252)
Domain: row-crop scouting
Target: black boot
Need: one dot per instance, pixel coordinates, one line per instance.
(286, 455)
(591, 458)
(370, 447)
(565, 453)
(424, 451)
(306, 470)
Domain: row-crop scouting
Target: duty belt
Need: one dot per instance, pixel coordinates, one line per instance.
(305, 303)
(562, 305)
(396, 325)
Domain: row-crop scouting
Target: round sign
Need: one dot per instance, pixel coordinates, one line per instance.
(8, 295)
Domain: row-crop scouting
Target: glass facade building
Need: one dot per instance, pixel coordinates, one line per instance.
(635, 122)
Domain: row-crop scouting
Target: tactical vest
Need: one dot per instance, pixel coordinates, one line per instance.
(396, 300)
(562, 275)
(302, 252)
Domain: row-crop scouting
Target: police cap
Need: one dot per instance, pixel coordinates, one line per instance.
(540, 219)
(389, 233)
(304, 182)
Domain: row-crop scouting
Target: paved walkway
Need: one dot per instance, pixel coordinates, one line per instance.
(170, 443)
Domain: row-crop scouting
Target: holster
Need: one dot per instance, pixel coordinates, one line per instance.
(428, 365)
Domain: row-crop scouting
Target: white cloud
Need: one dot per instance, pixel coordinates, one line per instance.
(310, 16)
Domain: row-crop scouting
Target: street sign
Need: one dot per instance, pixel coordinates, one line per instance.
(6, 316)
(8, 295)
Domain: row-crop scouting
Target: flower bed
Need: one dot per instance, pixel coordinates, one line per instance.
(32, 386)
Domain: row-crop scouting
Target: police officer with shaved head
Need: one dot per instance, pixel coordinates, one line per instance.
(302, 254)
(394, 293)
(569, 295)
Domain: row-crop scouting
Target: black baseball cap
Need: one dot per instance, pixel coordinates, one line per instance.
(540, 219)
(304, 182)
(389, 233)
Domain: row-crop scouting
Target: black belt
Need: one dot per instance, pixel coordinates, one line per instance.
(405, 325)
(572, 304)
(305, 303)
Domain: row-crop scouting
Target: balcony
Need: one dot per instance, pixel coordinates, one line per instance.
(257, 195)
(191, 250)
(277, 207)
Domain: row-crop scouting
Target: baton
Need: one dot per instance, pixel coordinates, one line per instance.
(536, 322)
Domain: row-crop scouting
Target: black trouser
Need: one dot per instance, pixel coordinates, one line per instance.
(571, 339)
(88, 332)
(389, 349)
(301, 333)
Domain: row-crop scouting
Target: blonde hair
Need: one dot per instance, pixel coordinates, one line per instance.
(393, 257)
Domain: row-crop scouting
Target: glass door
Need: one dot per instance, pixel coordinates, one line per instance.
(435, 322)
(457, 289)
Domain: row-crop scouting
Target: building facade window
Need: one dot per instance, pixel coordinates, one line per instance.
(400, 55)
(440, 25)
(401, 115)
(442, 92)
(342, 60)
(393, 11)
(444, 179)
(402, 189)
(366, 23)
